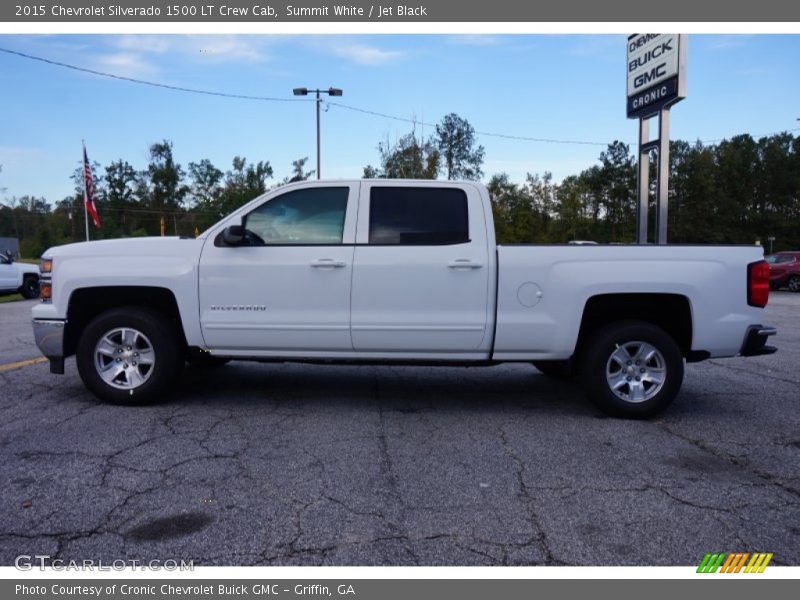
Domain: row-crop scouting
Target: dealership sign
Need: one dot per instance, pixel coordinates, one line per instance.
(656, 79)
(656, 72)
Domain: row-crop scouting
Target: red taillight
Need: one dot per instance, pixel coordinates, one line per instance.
(758, 283)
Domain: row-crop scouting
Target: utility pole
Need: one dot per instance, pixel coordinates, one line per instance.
(319, 168)
(305, 92)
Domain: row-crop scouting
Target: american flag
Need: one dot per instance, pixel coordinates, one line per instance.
(88, 189)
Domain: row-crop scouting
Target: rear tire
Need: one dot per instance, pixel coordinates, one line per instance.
(631, 369)
(129, 356)
(794, 283)
(30, 287)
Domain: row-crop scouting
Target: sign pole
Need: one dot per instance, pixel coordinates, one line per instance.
(644, 181)
(663, 176)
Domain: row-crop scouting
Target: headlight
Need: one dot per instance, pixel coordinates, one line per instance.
(46, 265)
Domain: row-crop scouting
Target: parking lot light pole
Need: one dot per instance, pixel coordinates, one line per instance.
(305, 92)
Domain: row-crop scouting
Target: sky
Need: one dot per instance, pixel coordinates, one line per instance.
(560, 87)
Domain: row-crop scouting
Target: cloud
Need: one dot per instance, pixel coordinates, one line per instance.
(142, 43)
(227, 48)
(126, 64)
(597, 45)
(219, 48)
(474, 40)
(18, 155)
(728, 42)
(365, 54)
(755, 71)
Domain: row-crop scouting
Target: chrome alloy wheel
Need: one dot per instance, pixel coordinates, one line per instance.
(124, 358)
(636, 371)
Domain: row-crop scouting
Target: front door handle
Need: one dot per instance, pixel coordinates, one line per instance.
(328, 263)
(464, 263)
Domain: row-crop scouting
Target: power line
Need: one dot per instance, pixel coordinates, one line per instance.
(150, 83)
(484, 133)
(336, 104)
(273, 99)
(514, 137)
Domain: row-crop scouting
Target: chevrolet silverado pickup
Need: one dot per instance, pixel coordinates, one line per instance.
(396, 271)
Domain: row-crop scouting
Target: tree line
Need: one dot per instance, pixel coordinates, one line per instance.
(740, 190)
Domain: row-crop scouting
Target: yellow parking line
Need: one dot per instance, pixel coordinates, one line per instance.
(22, 363)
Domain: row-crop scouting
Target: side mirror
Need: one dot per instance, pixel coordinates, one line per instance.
(233, 235)
(9, 257)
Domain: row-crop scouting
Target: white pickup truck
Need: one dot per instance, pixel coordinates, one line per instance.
(396, 271)
(18, 277)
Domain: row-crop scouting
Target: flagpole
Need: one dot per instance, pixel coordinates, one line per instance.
(85, 191)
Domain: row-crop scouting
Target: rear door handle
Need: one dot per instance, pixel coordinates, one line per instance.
(328, 263)
(464, 263)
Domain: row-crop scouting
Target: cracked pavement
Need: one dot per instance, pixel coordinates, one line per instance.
(349, 465)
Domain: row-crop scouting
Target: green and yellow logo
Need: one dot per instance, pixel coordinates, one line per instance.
(734, 562)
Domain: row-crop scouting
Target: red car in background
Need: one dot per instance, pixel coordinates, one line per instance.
(784, 270)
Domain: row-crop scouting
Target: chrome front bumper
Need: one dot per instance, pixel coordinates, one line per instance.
(49, 336)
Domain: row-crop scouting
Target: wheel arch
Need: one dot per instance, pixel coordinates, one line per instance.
(89, 302)
(670, 312)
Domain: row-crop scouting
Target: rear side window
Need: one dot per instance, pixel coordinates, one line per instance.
(418, 216)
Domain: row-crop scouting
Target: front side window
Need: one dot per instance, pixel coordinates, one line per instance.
(307, 216)
(418, 216)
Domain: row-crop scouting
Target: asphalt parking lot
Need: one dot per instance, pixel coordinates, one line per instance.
(299, 464)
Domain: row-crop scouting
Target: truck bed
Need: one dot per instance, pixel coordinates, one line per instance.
(542, 287)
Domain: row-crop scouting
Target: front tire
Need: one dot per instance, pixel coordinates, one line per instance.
(794, 283)
(129, 356)
(632, 369)
(30, 287)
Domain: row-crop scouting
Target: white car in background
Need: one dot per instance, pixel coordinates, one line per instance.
(18, 277)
